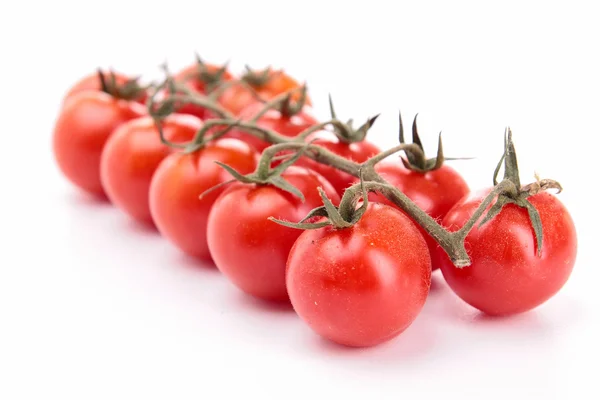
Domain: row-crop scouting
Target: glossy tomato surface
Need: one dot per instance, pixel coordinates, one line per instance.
(358, 152)
(363, 285)
(84, 125)
(435, 192)
(190, 75)
(176, 209)
(252, 251)
(274, 120)
(131, 156)
(506, 276)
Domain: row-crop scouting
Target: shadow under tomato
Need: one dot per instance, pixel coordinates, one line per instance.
(138, 227)
(246, 301)
(186, 261)
(438, 285)
(80, 198)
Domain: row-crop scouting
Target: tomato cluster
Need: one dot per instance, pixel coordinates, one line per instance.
(359, 274)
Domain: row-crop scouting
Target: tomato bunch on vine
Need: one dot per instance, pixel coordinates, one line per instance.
(235, 170)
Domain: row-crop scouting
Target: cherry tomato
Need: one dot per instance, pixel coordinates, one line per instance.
(132, 154)
(506, 276)
(362, 285)
(92, 83)
(435, 192)
(81, 130)
(252, 251)
(176, 209)
(358, 152)
(275, 121)
(280, 82)
(190, 76)
(238, 97)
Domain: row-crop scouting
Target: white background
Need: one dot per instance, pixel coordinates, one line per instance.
(94, 307)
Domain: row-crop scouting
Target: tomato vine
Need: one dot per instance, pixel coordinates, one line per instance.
(508, 190)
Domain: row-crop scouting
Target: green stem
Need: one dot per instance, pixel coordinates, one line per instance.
(505, 186)
(201, 101)
(385, 154)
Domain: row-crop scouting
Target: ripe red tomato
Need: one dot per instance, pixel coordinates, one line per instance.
(280, 82)
(506, 276)
(81, 130)
(358, 152)
(363, 285)
(275, 121)
(435, 192)
(176, 209)
(190, 75)
(237, 97)
(252, 251)
(132, 154)
(92, 83)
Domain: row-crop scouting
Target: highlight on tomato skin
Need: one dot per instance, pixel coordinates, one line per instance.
(176, 209)
(274, 120)
(248, 248)
(358, 152)
(133, 153)
(80, 132)
(363, 285)
(435, 192)
(506, 276)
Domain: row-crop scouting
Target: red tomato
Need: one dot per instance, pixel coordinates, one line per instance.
(280, 82)
(363, 285)
(252, 251)
(175, 188)
(132, 154)
(275, 121)
(435, 192)
(358, 152)
(237, 97)
(92, 83)
(81, 130)
(190, 76)
(506, 276)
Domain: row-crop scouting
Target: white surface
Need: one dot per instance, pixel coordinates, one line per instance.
(94, 307)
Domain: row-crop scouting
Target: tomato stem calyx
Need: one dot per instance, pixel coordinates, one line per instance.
(264, 174)
(345, 131)
(258, 78)
(210, 77)
(342, 217)
(129, 90)
(517, 194)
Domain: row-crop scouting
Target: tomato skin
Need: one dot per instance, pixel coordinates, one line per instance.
(189, 76)
(358, 152)
(132, 154)
(81, 130)
(176, 209)
(92, 83)
(506, 276)
(238, 97)
(363, 285)
(435, 192)
(275, 121)
(252, 251)
(280, 82)
(235, 99)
